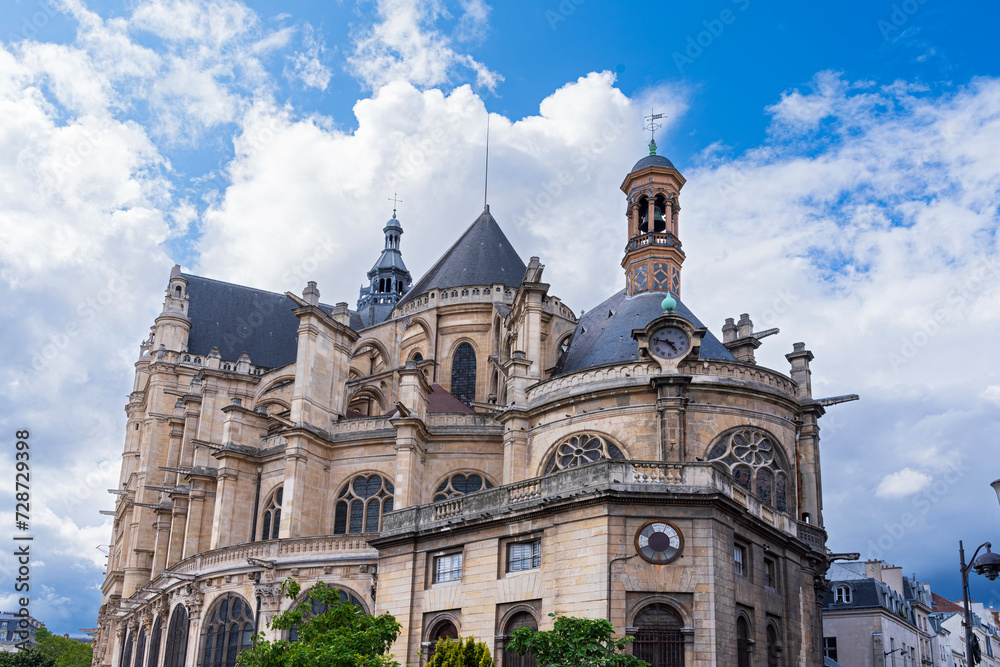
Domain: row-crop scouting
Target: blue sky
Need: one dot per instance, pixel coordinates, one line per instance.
(842, 185)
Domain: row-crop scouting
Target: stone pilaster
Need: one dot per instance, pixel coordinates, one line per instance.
(515, 419)
(671, 408)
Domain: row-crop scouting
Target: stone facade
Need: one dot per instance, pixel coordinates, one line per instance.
(626, 464)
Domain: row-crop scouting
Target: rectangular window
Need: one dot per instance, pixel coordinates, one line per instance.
(448, 568)
(740, 560)
(770, 574)
(830, 648)
(525, 556)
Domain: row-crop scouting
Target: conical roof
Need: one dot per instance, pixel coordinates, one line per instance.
(481, 256)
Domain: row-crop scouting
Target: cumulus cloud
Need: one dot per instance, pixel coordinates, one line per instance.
(405, 45)
(308, 65)
(903, 483)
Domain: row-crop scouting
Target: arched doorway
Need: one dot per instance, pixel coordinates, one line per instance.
(742, 642)
(522, 619)
(658, 638)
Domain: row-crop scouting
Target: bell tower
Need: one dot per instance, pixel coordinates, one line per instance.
(389, 280)
(653, 254)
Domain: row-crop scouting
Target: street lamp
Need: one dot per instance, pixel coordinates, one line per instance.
(902, 654)
(987, 565)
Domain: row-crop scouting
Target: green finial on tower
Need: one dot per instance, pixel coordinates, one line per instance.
(652, 147)
(669, 303)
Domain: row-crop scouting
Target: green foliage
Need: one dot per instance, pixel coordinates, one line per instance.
(342, 636)
(30, 658)
(61, 651)
(450, 653)
(574, 642)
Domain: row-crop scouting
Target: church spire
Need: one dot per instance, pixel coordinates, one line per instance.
(388, 279)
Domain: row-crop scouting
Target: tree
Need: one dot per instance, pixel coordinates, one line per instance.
(63, 652)
(574, 642)
(340, 636)
(30, 658)
(450, 653)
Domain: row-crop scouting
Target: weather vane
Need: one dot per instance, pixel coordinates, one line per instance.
(652, 126)
(394, 202)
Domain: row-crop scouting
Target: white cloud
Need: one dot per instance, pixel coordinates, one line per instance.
(308, 66)
(404, 45)
(906, 482)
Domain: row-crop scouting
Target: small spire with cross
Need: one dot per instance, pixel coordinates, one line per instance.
(652, 126)
(394, 202)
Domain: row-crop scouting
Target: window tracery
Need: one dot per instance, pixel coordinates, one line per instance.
(227, 632)
(177, 635)
(755, 462)
(581, 449)
(361, 504)
(272, 516)
(154, 642)
(318, 607)
(460, 484)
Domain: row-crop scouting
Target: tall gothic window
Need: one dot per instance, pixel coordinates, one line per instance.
(154, 643)
(272, 516)
(773, 650)
(463, 374)
(177, 636)
(461, 484)
(756, 463)
(226, 632)
(140, 647)
(522, 619)
(658, 638)
(127, 652)
(318, 607)
(581, 449)
(361, 504)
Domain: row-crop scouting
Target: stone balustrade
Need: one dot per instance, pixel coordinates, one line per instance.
(608, 476)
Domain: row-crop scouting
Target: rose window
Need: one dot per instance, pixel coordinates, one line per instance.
(756, 463)
(581, 449)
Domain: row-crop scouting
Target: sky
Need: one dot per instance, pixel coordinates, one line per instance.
(843, 182)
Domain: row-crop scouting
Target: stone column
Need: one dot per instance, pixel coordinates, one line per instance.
(294, 494)
(161, 526)
(515, 419)
(223, 518)
(671, 406)
(178, 520)
(411, 435)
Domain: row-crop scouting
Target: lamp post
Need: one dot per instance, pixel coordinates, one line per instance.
(987, 565)
(902, 654)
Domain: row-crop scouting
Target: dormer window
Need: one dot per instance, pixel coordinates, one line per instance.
(843, 595)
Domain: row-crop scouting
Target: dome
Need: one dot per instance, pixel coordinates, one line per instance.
(392, 224)
(653, 161)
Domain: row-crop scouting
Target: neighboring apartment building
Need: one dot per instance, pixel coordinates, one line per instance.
(467, 454)
(11, 625)
(951, 616)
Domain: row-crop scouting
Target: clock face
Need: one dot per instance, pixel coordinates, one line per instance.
(669, 343)
(659, 542)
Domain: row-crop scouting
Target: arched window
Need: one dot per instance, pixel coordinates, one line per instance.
(318, 607)
(581, 449)
(756, 462)
(140, 647)
(154, 643)
(418, 357)
(843, 594)
(127, 652)
(463, 374)
(521, 619)
(742, 642)
(361, 504)
(442, 630)
(461, 484)
(658, 638)
(773, 649)
(226, 632)
(272, 516)
(177, 635)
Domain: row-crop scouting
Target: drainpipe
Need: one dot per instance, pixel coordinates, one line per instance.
(437, 323)
(613, 561)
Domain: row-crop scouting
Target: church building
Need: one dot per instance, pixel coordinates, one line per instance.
(469, 455)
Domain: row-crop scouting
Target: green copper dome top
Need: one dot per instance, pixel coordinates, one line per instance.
(669, 303)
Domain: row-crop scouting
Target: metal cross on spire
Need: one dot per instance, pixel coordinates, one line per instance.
(652, 126)
(394, 202)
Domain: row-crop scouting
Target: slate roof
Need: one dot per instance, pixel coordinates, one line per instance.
(481, 256)
(239, 319)
(653, 160)
(604, 333)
